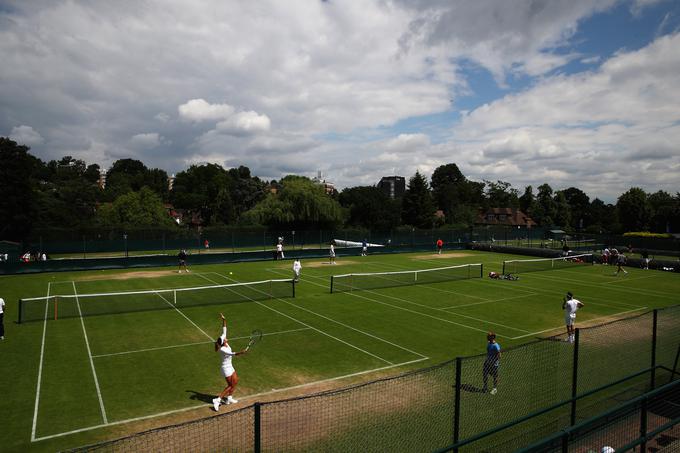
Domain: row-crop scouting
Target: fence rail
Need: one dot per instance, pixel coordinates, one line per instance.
(544, 386)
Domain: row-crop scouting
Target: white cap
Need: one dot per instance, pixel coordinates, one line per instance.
(607, 449)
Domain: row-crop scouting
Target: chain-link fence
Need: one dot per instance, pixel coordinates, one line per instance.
(541, 387)
(649, 422)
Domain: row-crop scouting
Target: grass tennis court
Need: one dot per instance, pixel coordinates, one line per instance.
(77, 380)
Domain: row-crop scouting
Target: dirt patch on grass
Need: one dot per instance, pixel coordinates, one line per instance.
(127, 275)
(434, 255)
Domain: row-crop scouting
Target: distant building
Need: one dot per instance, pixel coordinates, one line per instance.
(102, 179)
(504, 216)
(393, 186)
(329, 187)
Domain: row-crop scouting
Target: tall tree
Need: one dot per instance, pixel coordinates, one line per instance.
(579, 205)
(454, 194)
(134, 210)
(417, 203)
(544, 210)
(500, 194)
(17, 197)
(634, 210)
(300, 204)
(205, 189)
(664, 209)
(369, 207)
(562, 210)
(527, 200)
(604, 217)
(126, 175)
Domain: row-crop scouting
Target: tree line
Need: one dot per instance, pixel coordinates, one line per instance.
(66, 194)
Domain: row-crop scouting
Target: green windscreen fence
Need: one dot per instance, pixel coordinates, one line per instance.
(72, 305)
(375, 280)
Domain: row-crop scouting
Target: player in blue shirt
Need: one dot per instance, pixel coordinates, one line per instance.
(492, 362)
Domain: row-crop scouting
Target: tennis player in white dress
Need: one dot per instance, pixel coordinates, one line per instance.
(228, 371)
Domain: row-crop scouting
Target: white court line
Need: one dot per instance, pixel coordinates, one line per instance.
(591, 319)
(489, 301)
(190, 344)
(441, 309)
(307, 325)
(601, 285)
(405, 309)
(42, 353)
(185, 316)
(340, 323)
(246, 397)
(629, 279)
(89, 354)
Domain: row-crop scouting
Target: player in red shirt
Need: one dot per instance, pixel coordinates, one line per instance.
(440, 244)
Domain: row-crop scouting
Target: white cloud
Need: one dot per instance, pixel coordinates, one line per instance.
(146, 141)
(26, 135)
(319, 85)
(201, 110)
(406, 143)
(244, 123)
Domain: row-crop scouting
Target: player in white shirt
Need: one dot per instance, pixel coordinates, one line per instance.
(279, 251)
(2, 318)
(297, 268)
(570, 306)
(228, 371)
(331, 253)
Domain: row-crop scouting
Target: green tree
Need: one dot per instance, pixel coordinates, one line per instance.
(17, 196)
(604, 217)
(246, 191)
(205, 189)
(300, 204)
(500, 194)
(634, 210)
(67, 194)
(134, 210)
(418, 204)
(369, 207)
(562, 210)
(454, 194)
(664, 209)
(130, 175)
(544, 209)
(579, 205)
(527, 200)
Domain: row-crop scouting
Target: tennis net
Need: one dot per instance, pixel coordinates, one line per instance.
(545, 264)
(75, 305)
(355, 282)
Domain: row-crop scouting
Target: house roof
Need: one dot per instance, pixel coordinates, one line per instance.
(504, 216)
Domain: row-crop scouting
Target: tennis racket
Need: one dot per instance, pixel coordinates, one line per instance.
(255, 337)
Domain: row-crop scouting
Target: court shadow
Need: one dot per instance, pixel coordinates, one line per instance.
(198, 396)
(472, 389)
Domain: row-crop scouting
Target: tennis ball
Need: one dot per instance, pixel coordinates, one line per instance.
(231, 273)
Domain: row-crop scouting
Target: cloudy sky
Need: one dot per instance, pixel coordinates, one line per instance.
(573, 93)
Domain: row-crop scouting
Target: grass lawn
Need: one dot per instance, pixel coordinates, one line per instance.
(78, 380)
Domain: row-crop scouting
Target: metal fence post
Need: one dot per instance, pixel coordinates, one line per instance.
(565, 442)
(653, 364)
(643, 425)
(456, 403)
(574, 378)
(257, 447)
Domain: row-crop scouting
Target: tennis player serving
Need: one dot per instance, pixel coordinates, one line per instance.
(228, 371)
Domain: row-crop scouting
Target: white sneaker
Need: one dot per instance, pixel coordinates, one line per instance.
(231, 400)
(494, 391)
(216, 404)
